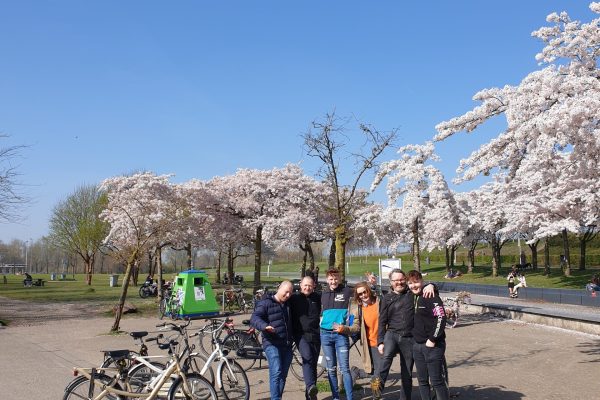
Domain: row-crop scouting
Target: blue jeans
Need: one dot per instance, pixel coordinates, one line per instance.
(279, 359)
(336, 348)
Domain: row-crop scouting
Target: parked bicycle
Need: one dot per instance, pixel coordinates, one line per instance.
(170, 305)
(452, 307)
(237, 298)
(97, 383)
(231, 376)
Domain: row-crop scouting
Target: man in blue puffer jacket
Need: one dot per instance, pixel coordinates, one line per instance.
(272, 317)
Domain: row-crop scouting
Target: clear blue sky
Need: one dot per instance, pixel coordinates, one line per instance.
(200, 89)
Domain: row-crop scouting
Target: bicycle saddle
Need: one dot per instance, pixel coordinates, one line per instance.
(137, 335)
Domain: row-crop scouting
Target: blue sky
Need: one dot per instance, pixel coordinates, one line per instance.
(200, 89)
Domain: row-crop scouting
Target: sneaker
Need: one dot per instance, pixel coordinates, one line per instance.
(312, 392)
(376, 388)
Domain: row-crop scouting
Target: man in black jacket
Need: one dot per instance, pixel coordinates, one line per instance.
(305, 308)
(396, 321)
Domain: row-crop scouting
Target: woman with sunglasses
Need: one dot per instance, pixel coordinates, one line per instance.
(367, 303)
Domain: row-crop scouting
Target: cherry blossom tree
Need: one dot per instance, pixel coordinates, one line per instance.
(309, 221)
(488, 212)
(140, 211)
(442, 227)
(262, 200)
(408, 180)
(552, 125)
(472, 232)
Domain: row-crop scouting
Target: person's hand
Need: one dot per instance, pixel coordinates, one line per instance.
(337, 327)
(380, 348)
(269, 329)
(429, 343)
(429, 291)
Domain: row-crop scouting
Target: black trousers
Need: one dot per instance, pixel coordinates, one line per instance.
(429, 362)
(394, 343)
(310, 357)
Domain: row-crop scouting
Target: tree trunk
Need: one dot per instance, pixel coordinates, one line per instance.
(546, 257)
(534, 254)
(304, 258)
(416, 249)
(452, 256)
(119, 310)
(331, 259)
(582, 247)
(588, 236)
(159, 272)
(567, 260)
(89, 269)
(340, 250)
(311, 257)
(136, 272)
(495, 258)
(447, 259)
(257, 257)
(230, 262)
(219, 262)
(471, 257)
(188, 254)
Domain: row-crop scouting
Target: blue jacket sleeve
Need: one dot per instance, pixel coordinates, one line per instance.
(260, 319)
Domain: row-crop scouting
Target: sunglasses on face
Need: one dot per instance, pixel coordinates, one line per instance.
(362, 293)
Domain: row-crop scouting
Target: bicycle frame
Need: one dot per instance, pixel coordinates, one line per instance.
(164, 375)
(217, 354)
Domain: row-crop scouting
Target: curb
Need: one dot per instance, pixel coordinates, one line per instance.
(543, 318)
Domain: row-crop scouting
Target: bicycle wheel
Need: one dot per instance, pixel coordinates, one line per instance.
(162, 308)
(451, 318)
(239, 340)
(79, 388)
(234, 381)
(194, 364)
(296, 365)
(205, 344)
(198, 388)
(140, 375)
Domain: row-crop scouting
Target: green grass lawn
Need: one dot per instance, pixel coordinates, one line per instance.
(75, 288)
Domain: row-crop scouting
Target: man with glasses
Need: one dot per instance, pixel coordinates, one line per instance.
(305, 309)
(396, 321)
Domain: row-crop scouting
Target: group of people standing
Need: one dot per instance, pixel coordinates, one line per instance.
(408, 321)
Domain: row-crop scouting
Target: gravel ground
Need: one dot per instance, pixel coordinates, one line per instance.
(489, 357)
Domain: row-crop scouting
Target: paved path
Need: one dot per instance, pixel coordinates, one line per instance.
(489, 358)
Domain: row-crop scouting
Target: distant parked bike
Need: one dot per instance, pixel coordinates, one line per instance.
(148, 289)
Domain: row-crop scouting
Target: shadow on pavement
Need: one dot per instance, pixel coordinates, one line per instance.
(484, 393)
(591, 349)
